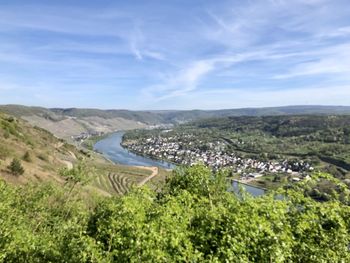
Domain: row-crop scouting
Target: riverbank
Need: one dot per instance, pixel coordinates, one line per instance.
(150, 156)
(111, 147)
(90, 142)
(247, 184)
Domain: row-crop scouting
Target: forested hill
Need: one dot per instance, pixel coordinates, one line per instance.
(280, 126)
(65, 123)
(170, 116)
(325, 136)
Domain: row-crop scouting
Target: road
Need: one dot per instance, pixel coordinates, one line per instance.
(154, 173)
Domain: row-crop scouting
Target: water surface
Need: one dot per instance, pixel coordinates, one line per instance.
(111, 148)
(254, 191)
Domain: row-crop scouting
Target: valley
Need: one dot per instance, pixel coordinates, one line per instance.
(266, 151)
(43, 157)
(72, 122)
(72, 198)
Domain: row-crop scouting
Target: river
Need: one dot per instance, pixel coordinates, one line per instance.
(112, 149)
(254, 191)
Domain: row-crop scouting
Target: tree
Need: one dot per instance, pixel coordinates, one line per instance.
(16, 167)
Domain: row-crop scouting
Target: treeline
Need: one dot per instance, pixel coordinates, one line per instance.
(317, 127)
(193, 219)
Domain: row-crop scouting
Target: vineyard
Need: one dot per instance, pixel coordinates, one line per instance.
(120, 179)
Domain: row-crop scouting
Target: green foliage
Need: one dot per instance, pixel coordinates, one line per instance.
(194, 219)
(78, 174)
(9, 125)
(16, 167)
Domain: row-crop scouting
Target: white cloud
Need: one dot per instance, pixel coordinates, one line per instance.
(188, 78)
(330, 60)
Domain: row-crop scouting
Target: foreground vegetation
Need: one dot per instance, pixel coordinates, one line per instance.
(192, 219)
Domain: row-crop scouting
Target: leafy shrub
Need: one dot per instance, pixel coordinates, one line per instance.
(194, 219)
(16, 167)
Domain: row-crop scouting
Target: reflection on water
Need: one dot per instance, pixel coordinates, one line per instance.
(112, 149)
(254, 191)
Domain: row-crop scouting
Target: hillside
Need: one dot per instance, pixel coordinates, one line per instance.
(43, 156)
(46, 154)
(65, 123)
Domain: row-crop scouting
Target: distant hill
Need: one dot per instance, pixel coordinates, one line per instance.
(176, 116)
(72, 121)
(286, 110)
(65, 123)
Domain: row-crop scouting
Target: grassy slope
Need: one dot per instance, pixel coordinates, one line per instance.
(48, 155)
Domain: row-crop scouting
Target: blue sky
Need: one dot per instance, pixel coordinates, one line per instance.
(174, 54)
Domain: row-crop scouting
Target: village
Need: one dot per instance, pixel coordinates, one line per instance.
(86, 135)
(187, 151)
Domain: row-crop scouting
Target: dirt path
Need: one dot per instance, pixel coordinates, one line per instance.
(154, 173)
(67, 163)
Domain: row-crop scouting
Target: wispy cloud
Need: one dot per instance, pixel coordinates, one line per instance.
(333, 60)
(263, 97)
(166, 52)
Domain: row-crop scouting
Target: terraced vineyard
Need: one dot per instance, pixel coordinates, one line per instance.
(118, 179)
(120, 183)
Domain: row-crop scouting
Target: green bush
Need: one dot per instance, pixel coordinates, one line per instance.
(16, 167)
(194, 219)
